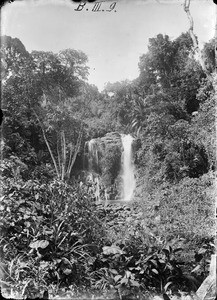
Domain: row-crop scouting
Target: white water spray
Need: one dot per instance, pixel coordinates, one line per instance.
(128, 169)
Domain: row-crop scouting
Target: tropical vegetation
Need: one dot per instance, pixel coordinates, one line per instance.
(56, 241)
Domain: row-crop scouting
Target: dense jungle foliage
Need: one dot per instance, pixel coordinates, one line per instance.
(55, 240)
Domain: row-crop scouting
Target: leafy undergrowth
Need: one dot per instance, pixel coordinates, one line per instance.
(55, 242)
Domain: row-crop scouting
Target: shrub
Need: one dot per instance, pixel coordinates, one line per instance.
(187, 208)
(49, 232)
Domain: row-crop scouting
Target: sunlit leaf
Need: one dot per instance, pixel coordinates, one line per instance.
(202, 251)
(113, 271)
(39, 244)
(112, 250)
(67, 271)
(167, 285)
(134, 283)
(117, 277)
(124, 280)
(36, 196)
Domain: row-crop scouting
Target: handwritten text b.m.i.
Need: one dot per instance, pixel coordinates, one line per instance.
(99, 6)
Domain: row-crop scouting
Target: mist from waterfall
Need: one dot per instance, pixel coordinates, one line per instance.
(127, 168)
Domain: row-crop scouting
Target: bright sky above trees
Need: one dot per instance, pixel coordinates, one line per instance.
(113, 41)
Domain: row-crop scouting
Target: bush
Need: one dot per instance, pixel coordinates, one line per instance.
(49, 232)
(188, 208)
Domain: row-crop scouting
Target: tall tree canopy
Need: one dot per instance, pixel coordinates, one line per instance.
(40, 93)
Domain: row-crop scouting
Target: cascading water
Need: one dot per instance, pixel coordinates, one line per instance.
(122, 188)
(97, 192)
(93, 165)
(93, 158)
(127, 168)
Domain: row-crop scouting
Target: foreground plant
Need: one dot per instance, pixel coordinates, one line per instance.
(49, 232)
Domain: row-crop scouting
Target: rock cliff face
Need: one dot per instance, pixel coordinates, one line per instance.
(111, 138)
(111, 158)
(103, 158)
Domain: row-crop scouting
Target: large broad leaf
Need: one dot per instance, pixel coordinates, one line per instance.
(128, 274)
(39, 244)
(113, 271)
(124, 280)
(117, 277)
(134, 283)
(112, 250)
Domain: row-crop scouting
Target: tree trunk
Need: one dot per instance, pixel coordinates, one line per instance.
(73, 158)
(216, 41)
(48, 146)
(58, 152)
(63, 149)
(207, 290)
(194, 38)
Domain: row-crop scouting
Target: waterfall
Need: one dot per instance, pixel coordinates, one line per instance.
(97, 190)
(93, 157)
(123, 185)
(93, 165)
(127, 168)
